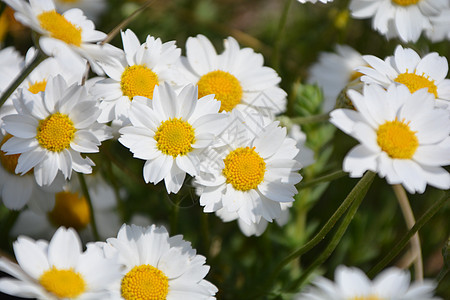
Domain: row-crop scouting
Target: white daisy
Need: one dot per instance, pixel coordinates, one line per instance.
(441, 27)
(71, 209)
(135, 72)
(70, 35)
(52, 129)
(252, 174)
(407, 68)
(353, 284)
(236, 77)
(18, 190)
(403, 136)
(11, 63)
(157, 266)
(92, 8)
(172, 133)
(405, 19)
(58, 270)
(334, 71)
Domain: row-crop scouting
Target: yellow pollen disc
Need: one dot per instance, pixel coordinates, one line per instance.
(71, 210)
(55, 132)
(416, 82)
(38, 86)
(175, 137)
(59, 28)
(371, 297)
(224, 86)
(397, 140)
(9, 162)
(144, 282)
(405, 2)
(244, 169)
(138, 81)
(63, 283)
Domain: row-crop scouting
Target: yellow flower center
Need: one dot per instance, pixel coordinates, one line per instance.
(397, 139)
(145, 282)
(416, 82)
(405, 2)
(224, 86)
(138, 81)
(55, 132)
(63, 283)
(244, 169)
(38, 86)
(9, 162)
(371, 297)
(70, 210)
(59, 28)
(175, 137)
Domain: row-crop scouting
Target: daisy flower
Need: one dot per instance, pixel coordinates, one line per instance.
(11, 63)
(236, 77)
(71, 209)
(352, 283)
(52, 129)
(407, 68)
(334, 71)
(157, 266)
(92, 8)
(405, 19)
(398, 135)
(70, 35)
(441, 27)
(135, 72)
(172, 133)
(18, 190)
(252, 174)
(58, 269)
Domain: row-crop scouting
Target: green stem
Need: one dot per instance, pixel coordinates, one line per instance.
(40, 57)
(85, 190)
(325, 178)
(279, 34)
(119, 202)
(405, 240)
(358, 197)
(357, 193)
(310, 119)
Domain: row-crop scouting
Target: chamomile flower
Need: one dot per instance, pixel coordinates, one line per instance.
(403, 136)
(135, 72)
(352, 283)
(172, 133)
(407, 68)
(405, 19)
(157, 266)
(237, 77)
(92, 8)
(441, 27)
(18, 190)
(52, 129)
(58, 269)
(70, 35)
(252, 174)
(334, 71)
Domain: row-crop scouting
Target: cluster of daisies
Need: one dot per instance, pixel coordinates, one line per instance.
(141, 263)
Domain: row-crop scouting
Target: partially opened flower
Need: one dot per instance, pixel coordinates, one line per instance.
(52, 129)
(407, 68)
(59, 269)
(405, 19)
(172, 133)
(135, 72)
(353, 284)
(252, 174)
(402, 136)
(237, 77)
(70, 35)
(334, 71)
(157, 266)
